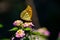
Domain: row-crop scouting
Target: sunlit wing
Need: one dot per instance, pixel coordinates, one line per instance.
(26, 14)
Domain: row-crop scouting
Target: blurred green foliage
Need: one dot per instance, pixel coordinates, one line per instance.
(1, 26)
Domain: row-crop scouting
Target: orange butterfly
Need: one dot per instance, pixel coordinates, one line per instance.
(26, 14)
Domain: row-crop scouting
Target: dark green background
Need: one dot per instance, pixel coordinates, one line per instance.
(17, 6)
(48, 13)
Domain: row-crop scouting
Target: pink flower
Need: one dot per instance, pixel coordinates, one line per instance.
(31, 24)
(25, 25)
(12, 38)
(17, 23)
(46, 33)
(20, 33)
(28, 24)
(59, 34)
(43, 31)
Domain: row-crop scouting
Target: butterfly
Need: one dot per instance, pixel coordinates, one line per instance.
(26, 14)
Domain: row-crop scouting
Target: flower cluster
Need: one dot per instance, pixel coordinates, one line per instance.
(27, 24)
(43, 31)
(17, 23)
(20, 33)
(20, 23)
(24, 28)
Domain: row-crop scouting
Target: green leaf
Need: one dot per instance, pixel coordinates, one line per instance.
(1, 26)
(14, 29)
(27, 29)
(35, 33)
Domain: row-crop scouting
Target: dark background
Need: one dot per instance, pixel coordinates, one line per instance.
(48, 13)
(49, 16)
(9, 15)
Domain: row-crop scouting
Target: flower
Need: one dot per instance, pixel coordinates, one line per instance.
(17, 23)
(28, 24)
(43, 31)
(12, 38)
(31, 24)
(46, 33)
(20, 33)
(25, 25)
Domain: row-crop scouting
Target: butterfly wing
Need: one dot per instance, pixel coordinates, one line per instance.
(26, 14)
